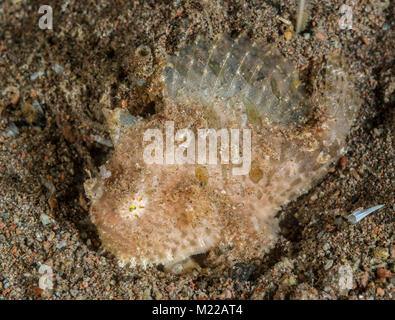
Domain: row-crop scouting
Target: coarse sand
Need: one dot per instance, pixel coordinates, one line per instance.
(53, 86)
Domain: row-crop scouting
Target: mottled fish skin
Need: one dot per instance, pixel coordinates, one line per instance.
(238, 72)
(164, 214)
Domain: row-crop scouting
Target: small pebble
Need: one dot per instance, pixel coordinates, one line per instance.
(291, 281)
(381, 253)
(36, 75)
(355, 174)
(384, 273)
(73, 292)
(328, 265)
(343, 161)
(242, 271)
(36, 105)
(57, 68)
(386, 26)
(147, 294)
(380, 292)
(103, 141)
(320, 36)
(288, 35)
(61, 245)
(45, 219)
(11, 131)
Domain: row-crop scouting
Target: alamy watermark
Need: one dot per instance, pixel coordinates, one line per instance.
(198, 150)
(345, 21)
(46, 21)
(46, 280)
(345, 281)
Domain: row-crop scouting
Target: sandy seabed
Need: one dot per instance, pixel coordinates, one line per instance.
(53, 86)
